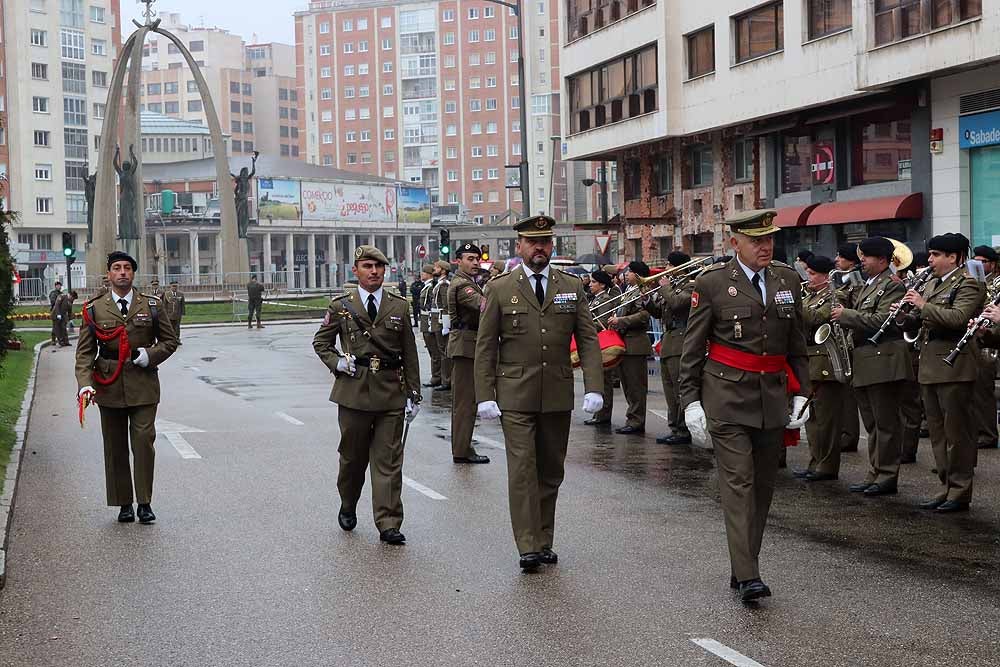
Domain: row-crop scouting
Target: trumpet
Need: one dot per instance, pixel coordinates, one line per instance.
(898, 316)
(649, 284)
(833, 337)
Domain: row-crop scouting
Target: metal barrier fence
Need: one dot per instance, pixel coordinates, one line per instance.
(212, 286)
(32, 289)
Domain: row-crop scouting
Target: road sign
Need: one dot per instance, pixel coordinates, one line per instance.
(421, 251)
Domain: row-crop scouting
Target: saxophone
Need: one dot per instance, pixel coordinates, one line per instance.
(832, 336)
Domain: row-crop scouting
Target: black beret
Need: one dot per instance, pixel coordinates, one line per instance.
(877, 246)
(602, 277)
(676, 258)
(119, 256)
(985, 251)
(639, 268)
(848, 251)
(947, 243)
(819, 263)
(804, 256)
(919, 259)
(469, 247)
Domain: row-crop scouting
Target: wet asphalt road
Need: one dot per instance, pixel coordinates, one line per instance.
(246, 565)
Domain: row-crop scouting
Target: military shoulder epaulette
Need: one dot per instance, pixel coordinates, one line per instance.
(567, 273)
(392, 294)
(338, 298)
(149, 296)
(716, 267)
(782, 265)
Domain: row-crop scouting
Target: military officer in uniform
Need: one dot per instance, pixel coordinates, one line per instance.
(524, 378)
(125, 337)
(824, 428)
(53, 298)
(602, 309)
(633, 325)
(671, 305)
(439, 299)
(941, 312)
(985, 397)
(62, 314)
(376, 387)
(880, 371)
(847, 260)
(427, 322)
(174, 302)
(255, 302)
(465, 302)
(155, 289)
(747, 313)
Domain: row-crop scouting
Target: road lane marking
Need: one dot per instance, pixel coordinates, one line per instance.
(489, 442)
(182, 446)
(194, 369)
(729, 655)
(164, 426)
(417, 486)
(290, 419)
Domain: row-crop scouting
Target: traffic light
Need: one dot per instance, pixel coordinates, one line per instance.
(69, 247)
(485, 248)
(444, 244)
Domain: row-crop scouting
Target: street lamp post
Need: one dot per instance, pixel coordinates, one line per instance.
(603, 182)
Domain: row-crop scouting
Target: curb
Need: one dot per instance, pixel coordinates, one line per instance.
(14, 467)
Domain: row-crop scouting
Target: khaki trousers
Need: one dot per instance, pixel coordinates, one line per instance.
(442, 345)
(986, 402)
(825, 427)
(670, 375)
(375, 438)
(463, 407)
(747, 459)
(430, 341)
(176, 324)
(536, 451)
(953, 436)
(911, 412)
(604, 414)
(879, 405)
(252, 308)
(850, 424)
(119, 426)
(635, 386)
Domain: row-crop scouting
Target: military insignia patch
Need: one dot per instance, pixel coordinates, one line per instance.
(358, 252)
(694, 299)
(469, 290)
(732, 291)
(540, 224)
(514, 299)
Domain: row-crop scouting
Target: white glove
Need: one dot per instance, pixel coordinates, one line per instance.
(411, 410)
(592, 402)
(58, 317)
(488, 410)
(798, 406)
(445, 331)
(87, 390)
(346, 365)
(142, 360)
(446, 322)
(694, 417)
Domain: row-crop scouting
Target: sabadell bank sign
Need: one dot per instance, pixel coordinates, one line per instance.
(978, 130)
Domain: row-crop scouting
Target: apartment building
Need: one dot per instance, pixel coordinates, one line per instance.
(253, 86)
(59, 59)
(844, 115)
(4, 148)
(429, 93)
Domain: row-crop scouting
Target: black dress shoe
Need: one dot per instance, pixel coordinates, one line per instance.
(953, 506)
(629, 430)
(392, 536)
(596, 422)
(127, 515)
(931, 504)
(859, 487)
(675, 439)
(530, 562)
(475, 458)
(820, 477)
(849, 448)
(879, 490)
(908, 459)
(986, 445)
(548, 556)
(443, 387)
(801, 474)
(732, 582)
(145, 513)
(754, 589)
(432, 384)
(347, 519)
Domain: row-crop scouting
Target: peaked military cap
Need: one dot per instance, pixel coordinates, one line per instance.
(363, 252)
(758, 222)
(468, 247)
(443, 265)
(428, 268)
(537, 226)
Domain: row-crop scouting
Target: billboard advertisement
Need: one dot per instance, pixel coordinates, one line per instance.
(341, 202)
(414, 205)
(278, 199)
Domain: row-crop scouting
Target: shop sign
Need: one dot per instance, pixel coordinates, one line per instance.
(977, 130)
(822, 166)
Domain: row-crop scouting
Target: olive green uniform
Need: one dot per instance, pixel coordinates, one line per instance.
(174, 303)
(880, 374)
(371, 403)
(465, 301)
(255, 302)
(947, 391)
(746, 411)
(850, 419)
(439, 309)
(824, 428)
(523, 363)
(985, 391)
(427, 322)
(672, 306)
(599, 305)
(633, 325)
(127, 405)
(62, 313)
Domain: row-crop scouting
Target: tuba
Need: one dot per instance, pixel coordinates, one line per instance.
(833, 337)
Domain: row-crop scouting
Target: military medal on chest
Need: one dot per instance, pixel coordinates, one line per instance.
(738, 330)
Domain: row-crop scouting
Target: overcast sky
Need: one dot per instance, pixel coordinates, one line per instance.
(271, 20)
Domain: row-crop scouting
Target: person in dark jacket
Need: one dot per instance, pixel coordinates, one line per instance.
(415, 288)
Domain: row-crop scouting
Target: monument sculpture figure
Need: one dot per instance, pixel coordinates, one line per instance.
(89, 190)
(128, 226)
(241, 191)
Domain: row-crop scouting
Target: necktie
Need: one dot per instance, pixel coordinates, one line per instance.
(372, 310)
(123, 304)
(756, 285)
(539, 292)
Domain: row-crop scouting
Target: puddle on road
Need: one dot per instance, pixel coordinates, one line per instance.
(209, 359)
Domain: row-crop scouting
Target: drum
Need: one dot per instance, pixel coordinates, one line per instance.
(612, 348)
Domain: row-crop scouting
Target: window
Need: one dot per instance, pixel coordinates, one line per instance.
(540, 147)
(348, 25)
(327, 137)
(759, 32)
(362, 24)
(477, 128)
(451, 130)
(701, 52)
(247, 127)
(474, 82)
(451, 153)
(515, 149)
(196, 46)
(40, 104)
(452, 175)
(194, 106)
(491, 104)
(348, 70)
(74, 111)
(899, 19)
(366, 135)
(386, 21)
(828, 16)
(541, 9)
(477, 151)
(387, 67)
(449, 61)
(99, 79)
(540, 104)
(491, 82)
(192, 86)
(170, 87)
(491, 57)
(363, 113)
(473, 36)
(515, 102)
(349, 137)
(477, 174)
(155, 107)
(43, 172)
(363, 46)
(449, 38)
(324, 28)
(39, 38)
(492, 150)
(491, 127)
(236, 126)
(248, 108)
(99, 109)
(488, 13)
(41, 138)
(387, 44)
(452, 198)
(96, 14)
(388, 112)
(475, 105)
(326, 94)
(40, 71)
(389, 134)
(474, 59)
(99, 47)
(348, 47)
(701, 166)
(348, 92)
(366, 158)
(513, 32)
(363, 91)
(743, 160)
(71, 43)
(324, 49)
(477, 197)
(881, 146)
(75, 173)
(489, 35)
(363, 69)
(617, 90)
(324, 72)
(515, 126)
(447, 16)
(43, 205)
(492, 173)
(389, 156)
(154, 89)
(451, 107)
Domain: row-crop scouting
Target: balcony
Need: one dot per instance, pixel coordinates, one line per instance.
(417, 72)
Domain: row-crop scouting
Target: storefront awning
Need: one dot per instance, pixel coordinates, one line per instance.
(794, 216)
(904, 207)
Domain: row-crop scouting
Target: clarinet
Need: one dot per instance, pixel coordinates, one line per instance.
(979, 323)
(899, 316)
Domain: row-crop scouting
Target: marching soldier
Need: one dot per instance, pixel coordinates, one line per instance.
(601, 306)
(942, 312)
(439, 299)
(427, 323)
(524, 377)
(62, 315)
(671, 305)
(985, 397)
(880, 371)
(465, 302)
(155, 289)
(376, 387)
(633, 324)
(824, 428)
(847, 260)
(174, 302)
(125, 337)
(255, 301)
(747, 313)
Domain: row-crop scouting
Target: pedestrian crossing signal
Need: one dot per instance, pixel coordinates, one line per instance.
(69, 246)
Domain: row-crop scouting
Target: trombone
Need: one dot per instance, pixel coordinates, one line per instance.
(649, 284)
